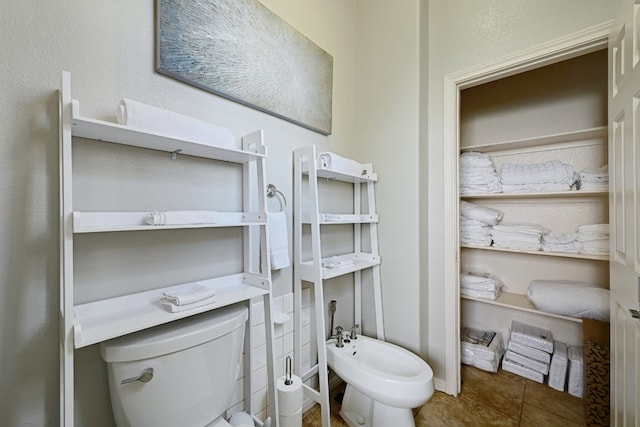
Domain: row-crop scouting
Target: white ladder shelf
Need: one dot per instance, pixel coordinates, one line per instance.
(307, 172)
(84, 324)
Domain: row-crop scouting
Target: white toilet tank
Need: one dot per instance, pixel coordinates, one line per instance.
(195, 363)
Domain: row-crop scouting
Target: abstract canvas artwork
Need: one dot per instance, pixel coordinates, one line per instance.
(242, 51)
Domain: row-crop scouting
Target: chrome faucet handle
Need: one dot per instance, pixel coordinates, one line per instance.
(353, 335)
(339, 337)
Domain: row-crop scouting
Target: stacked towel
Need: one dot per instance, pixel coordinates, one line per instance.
(594, 178)
(278, 240)
(476, 222)
(594, 239)
(149, 118)
(480, 286)
(337, 163)
(181, 217)
(529, 351)
(480, 213)
(187, 297)
(478, 174)
(570, 298)
(524, 236)
(547, 176)
(482, 349)
(474, 232)
(566, 242)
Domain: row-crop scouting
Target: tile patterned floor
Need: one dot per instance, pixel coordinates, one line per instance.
(486, 399)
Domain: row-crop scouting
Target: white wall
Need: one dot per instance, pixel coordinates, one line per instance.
(109, 49)
(463, 34)
(388, 127)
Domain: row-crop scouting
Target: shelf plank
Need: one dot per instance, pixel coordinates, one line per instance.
(110, 318)
(100, 222)
(539, 195)
(361, 261)
(518, 302)
(345, 177)
(328, 219)
(556, 138)
(99, 130)
(541, 253)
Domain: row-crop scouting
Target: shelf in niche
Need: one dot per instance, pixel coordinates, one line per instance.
(518, 302)
(115, 133)
(102, 320)
(544, 140)
(540, 253)
(539, 195)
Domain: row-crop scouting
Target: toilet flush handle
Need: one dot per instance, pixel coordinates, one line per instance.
(145, 376)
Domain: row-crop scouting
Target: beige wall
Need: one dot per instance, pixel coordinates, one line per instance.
(389, 62)
(463, 34)
(108, 46)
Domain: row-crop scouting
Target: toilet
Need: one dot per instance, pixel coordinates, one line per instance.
(181, 373)
(384, 382)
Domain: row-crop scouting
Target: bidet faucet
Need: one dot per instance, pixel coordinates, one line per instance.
(353, 335)
(339, 337)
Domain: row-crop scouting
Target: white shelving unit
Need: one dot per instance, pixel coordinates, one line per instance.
(84, 324)
(535, 111)
(308, 257)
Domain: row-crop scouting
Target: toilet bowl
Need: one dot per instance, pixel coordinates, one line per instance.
(384, 381)
(179, 374)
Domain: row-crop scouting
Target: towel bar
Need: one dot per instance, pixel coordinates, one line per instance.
(272, 191)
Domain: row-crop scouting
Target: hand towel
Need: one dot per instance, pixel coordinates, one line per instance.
(278, 240)
(150, 118)
(187, 294)
(174, 308)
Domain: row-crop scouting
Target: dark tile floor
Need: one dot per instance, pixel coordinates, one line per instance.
(486, 399)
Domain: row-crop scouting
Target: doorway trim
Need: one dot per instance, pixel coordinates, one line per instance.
(580, 43)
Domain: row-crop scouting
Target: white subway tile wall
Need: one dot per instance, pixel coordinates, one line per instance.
(283, 347)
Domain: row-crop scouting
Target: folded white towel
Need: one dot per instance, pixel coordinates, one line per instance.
(187, 294)
(181, 217)
(337, 163)
(337, 262)
(278, 240)
(552, 171)
(150, 118)
(480, 213)
(473, 159)
(174, 308)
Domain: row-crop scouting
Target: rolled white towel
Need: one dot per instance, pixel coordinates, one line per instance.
(181, 217)
(337, 163)
(150, 118)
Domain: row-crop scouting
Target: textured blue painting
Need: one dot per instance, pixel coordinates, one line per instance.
(241, 50)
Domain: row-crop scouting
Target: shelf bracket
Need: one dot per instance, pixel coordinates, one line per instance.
(174, 154)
